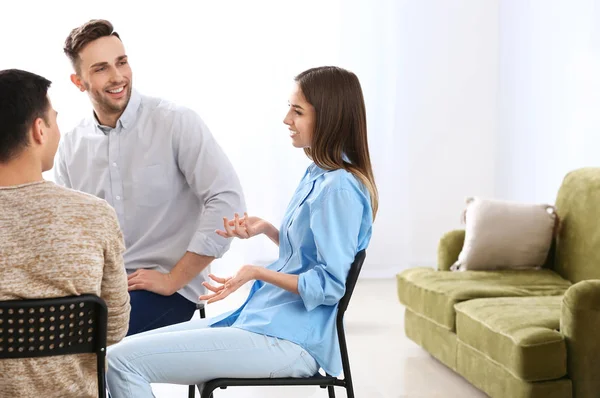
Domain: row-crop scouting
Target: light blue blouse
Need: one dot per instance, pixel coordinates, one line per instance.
(328, 221)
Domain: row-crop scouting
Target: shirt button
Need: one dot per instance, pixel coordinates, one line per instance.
(115, 164)
(118, 198)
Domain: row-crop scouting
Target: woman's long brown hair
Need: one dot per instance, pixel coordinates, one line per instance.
(340, 125)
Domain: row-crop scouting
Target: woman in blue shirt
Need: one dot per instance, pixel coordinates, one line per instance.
(286, 327)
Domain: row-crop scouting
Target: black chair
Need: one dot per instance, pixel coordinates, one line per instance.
(200, 308)
(327, 381)
(57, 326)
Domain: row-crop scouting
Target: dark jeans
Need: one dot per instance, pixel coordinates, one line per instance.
(152, 311)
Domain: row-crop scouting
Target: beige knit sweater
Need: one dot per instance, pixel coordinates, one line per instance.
(58, 242)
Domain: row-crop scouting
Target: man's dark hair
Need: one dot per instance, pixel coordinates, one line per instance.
(23, 99)
(85, 34)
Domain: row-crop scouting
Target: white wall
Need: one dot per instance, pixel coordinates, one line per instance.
(429, 71)
(549, 96)
(495, 98)
(447, 113)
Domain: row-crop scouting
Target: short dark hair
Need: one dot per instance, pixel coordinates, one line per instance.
(23, 99)
(85, 34)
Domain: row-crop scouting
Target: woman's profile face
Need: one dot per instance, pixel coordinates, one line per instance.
(300, 119)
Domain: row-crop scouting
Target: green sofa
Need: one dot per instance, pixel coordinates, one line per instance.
(514, 334)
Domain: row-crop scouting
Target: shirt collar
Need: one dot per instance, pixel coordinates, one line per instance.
(129, 116)
(314, 172)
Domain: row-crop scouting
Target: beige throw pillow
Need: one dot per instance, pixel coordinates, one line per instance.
(505, 235)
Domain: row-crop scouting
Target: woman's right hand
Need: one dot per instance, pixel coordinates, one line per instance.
(242, 228)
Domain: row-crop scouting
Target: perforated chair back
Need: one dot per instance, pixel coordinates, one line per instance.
(56, 326)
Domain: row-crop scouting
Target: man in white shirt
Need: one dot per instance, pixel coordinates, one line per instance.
(159, 166)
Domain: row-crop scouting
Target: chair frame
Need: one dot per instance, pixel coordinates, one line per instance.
(192, 388)
(326, 381)
(35, 328)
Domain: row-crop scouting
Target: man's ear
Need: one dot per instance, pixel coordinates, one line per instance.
(76, 80)
(38, 135)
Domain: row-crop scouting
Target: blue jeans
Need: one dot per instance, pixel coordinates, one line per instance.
(193, 353)
(152, 311)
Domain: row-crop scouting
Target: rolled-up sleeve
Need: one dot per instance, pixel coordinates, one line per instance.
(211, 176)
(335, 222)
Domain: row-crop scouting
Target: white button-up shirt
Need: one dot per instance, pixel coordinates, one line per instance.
(167, 178)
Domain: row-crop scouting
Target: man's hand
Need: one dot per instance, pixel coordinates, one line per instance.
(152, 281)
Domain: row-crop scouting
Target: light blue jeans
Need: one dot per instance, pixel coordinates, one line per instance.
(193, 353)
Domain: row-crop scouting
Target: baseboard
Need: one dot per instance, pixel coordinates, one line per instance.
(383, 271)
(369, 271)
(378, 273)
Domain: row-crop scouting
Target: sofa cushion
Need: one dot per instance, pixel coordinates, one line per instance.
(433, 294)
(506, 235)
(497, 382)
(519, 334)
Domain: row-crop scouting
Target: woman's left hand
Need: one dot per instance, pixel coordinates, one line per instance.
(229, 285)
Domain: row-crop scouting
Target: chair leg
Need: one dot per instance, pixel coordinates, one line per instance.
(331, 391)
(192, 393)
(349, 389)
(207, 393)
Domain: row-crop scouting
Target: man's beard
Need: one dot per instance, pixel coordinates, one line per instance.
(105, 104)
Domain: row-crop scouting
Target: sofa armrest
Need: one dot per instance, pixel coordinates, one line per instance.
(449, 248)
(579, 323)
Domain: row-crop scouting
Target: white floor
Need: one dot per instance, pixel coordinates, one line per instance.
(385, 364)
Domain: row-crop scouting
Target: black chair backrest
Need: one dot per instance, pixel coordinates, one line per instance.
(351, 280)
(56, 326)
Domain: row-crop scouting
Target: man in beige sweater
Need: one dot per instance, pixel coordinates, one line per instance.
(54, 241)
